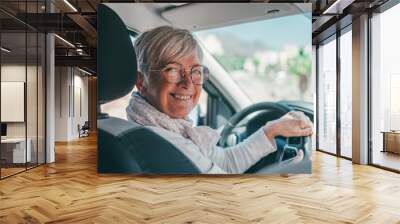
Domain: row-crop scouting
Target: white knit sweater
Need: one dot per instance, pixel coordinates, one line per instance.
(233, 160)
(199, 144)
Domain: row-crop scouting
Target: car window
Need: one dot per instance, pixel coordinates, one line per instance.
(270, 60)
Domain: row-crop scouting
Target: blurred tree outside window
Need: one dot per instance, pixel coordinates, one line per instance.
(270, 59)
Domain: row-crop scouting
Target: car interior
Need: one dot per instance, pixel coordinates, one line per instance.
(131, 141)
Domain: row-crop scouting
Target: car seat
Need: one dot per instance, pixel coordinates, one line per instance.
(124, 146)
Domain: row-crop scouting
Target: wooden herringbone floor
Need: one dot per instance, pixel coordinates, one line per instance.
(71, 191)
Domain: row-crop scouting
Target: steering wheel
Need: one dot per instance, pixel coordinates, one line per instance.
(280, 165)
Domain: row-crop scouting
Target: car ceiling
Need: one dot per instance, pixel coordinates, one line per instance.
(197, 16)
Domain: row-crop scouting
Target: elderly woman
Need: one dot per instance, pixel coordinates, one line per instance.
(170, 79)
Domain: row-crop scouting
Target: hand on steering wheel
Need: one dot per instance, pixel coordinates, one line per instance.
(292, 124)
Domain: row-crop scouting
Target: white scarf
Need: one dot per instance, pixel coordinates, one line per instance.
(141, 112)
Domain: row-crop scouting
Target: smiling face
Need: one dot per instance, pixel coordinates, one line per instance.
(173, 99)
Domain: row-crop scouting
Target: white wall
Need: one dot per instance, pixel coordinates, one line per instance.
(70, 83)
(33, 126)
(61, 103)
(79, 117)
(14, 72)
(17, 72)
(12, 100)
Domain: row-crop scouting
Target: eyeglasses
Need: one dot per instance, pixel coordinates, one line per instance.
(174, 73)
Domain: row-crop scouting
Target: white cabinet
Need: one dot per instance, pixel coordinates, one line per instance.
(18, 149)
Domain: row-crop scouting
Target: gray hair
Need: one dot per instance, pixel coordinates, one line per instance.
(159, 46)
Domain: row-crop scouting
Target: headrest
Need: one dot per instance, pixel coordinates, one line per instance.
(116, 58)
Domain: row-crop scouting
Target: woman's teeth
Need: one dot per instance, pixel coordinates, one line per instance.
(181, 97)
